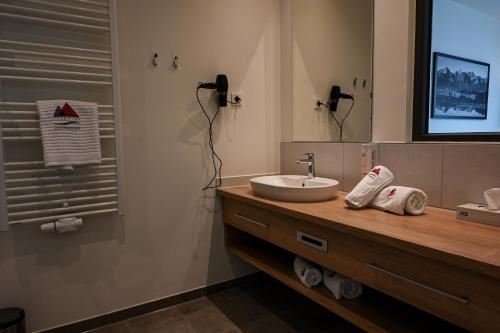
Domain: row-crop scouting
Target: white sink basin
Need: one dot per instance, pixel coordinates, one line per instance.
(294, 188)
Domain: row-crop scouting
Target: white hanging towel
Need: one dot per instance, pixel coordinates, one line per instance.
(378, 178)
(401, 199)
(70, 133)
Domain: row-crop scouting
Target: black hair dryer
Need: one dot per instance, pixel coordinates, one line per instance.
(221, 85)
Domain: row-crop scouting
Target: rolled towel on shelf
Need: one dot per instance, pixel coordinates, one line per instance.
(401, 199)
(308, 273)
(341, 286)
(378, 178)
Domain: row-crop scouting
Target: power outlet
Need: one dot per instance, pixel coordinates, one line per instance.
(317, 105)
(236, 99)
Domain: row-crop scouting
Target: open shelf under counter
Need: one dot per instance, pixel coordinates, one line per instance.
(372, 312)
(422, 272)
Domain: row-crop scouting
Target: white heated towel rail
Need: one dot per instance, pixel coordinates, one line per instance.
(53, 49)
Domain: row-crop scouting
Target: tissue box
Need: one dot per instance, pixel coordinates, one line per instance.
(478, 213)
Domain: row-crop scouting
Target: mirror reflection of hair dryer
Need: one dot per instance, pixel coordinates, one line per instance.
(336, 95)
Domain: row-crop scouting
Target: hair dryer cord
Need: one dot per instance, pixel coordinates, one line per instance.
(341, 123)
(215, 157)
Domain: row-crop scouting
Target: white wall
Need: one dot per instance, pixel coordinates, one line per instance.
(462, 31)
(332, 44)
(171, 238)
(286, 71)
(392, 70)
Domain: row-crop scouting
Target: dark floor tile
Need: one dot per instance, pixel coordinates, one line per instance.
(294, 309)
(235, 330)
(298, 322)
(238, 306)
(152, 319)
(318, 320)
(269, 293)
(120, 327)
(268, 324)
(193, 306)
(210, 320)
(173, 325)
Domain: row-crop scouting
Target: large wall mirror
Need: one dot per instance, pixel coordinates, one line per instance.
(332, 62)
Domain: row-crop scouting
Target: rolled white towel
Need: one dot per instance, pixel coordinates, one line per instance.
(378, 178)
(341, 286)
(308, 273)
(401, 199)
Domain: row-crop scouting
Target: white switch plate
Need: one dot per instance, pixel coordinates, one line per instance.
(369, 157)
(233, 99)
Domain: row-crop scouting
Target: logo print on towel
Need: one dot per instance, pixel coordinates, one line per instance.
(376, 171)
(391, 193)
(66, 118)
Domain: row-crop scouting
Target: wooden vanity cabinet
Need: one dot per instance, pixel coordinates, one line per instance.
(457, 288)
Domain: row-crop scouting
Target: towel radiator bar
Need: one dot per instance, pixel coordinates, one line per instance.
(34, 19)
(66, 51)
(57, 5)
(52, 55)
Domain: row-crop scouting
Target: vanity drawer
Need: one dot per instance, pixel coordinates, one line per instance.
(251, 219)
(464, 297)
(302, 238)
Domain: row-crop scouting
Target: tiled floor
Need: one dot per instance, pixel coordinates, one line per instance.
(263, 307)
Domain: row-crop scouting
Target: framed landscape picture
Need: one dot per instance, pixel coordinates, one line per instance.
(460, 88)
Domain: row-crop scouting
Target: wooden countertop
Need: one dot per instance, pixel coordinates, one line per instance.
(437, 233)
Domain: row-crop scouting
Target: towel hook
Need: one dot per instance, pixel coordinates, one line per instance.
(156, 61)
(175, 63)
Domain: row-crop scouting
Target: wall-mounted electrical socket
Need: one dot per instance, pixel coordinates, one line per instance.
(369, 157)
(317, 104)
(236, 99)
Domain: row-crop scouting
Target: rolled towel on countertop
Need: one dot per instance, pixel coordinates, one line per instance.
(341, 286)
(308, 273)
(401, 199)
(378, 178)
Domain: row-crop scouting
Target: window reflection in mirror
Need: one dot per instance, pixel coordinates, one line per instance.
(462, 70)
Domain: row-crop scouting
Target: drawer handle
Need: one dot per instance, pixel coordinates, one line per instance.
(246, 219)
(375, 267)
(312, 241)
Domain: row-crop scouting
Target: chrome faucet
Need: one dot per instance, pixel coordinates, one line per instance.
(309, 161)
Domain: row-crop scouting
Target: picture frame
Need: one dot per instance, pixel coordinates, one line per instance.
(460, 88)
